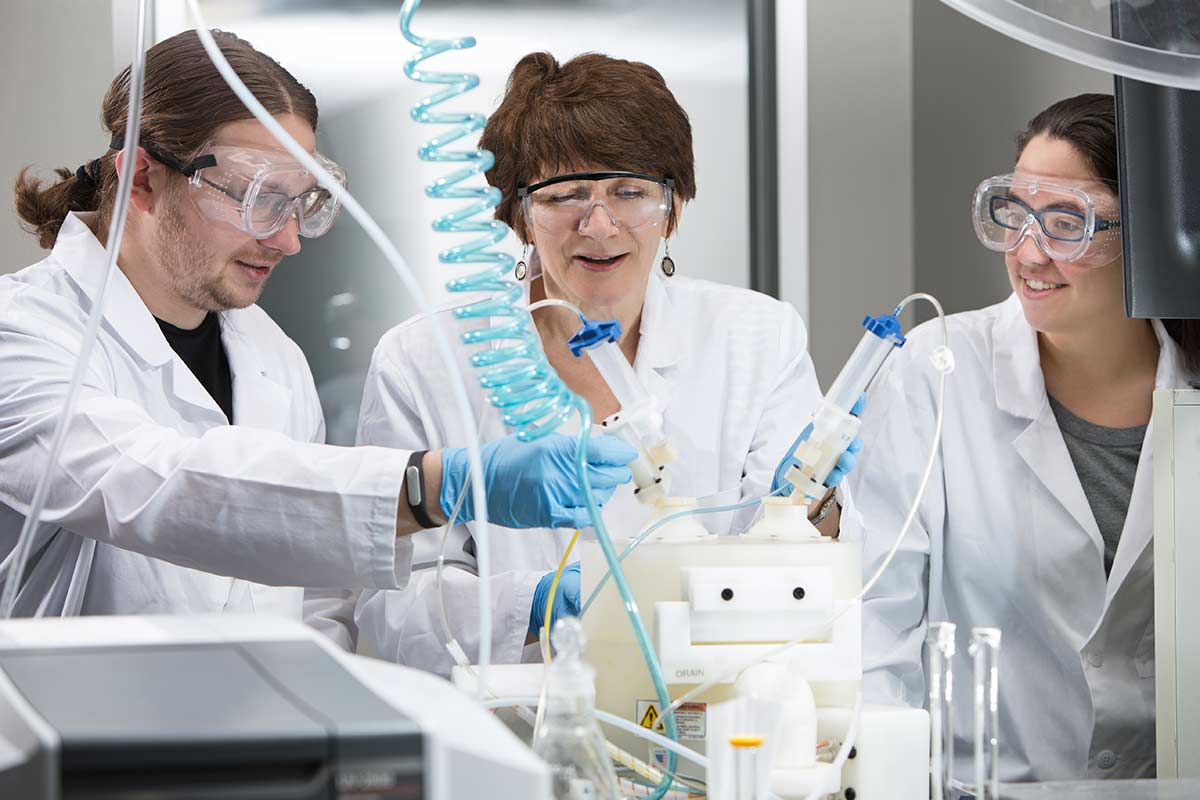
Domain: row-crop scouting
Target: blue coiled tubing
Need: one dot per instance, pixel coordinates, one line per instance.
(518, 379)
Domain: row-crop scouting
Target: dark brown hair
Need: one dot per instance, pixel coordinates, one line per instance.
(1089, 123)
(185, 102)
(594, 109)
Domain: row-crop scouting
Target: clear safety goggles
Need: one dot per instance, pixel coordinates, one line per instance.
(563, 204)
(258, 191)
(1068, 220)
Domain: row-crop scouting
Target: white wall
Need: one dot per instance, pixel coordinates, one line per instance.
(973, 90)
(859, 169)
(55, 65)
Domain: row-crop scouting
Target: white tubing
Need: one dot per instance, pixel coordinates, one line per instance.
(458, 383)
(116, 228)
(843, 754)
(943, 369)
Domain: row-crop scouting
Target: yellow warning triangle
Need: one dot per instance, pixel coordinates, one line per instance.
(649, 718)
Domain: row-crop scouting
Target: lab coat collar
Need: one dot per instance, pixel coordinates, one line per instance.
(1016, 363)
(258, 398)
(1139, 529)
(659, 345)
(1021, 391)
(82, 256)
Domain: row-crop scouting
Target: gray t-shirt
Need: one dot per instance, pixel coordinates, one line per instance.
(1106, 461)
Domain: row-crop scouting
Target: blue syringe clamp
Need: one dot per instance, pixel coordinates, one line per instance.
(594, 332)
(885, 327)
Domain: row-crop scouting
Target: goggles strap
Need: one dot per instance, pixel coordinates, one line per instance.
(187, 170)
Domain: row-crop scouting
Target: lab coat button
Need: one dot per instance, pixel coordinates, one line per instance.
(1097, 661)
(1107, 759)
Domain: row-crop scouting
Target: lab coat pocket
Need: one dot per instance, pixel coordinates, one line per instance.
(1143, 656)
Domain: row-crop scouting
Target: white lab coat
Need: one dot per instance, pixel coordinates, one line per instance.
(733, 373)
(160, 506)
(1005, 537)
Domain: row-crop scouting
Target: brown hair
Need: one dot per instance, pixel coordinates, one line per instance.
(1089, 123)
(591, 110)
(185, 102)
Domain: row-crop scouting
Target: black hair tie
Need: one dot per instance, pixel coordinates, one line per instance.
(89, 173)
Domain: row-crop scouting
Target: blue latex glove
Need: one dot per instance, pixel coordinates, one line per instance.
(566, 598)
(845, 462)
(534, 484)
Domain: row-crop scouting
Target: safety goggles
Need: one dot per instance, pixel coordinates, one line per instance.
(1068, 220)
(257, 191)
(631, 200)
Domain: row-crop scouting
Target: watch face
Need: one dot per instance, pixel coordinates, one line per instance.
(412, 480)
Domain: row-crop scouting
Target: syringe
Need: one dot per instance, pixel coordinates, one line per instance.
(834, 426)
(639, 420)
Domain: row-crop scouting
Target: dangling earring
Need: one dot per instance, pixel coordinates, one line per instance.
(522, 268)
(668, 265)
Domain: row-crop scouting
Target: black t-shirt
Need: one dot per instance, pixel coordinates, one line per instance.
(201, 349)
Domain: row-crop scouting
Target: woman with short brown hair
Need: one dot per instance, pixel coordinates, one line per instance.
(594, 158)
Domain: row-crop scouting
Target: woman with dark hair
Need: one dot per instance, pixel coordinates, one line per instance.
(1038, 518)
(594, 158)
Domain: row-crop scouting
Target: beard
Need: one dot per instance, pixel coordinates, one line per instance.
(191, 266)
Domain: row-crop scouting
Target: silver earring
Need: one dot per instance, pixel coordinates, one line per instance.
(522, 268)
(668, 264)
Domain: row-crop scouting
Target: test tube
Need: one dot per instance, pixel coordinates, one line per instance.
(939, 640)
(745, 767)
(985, 653)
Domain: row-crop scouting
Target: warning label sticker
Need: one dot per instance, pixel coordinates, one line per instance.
(690, 718)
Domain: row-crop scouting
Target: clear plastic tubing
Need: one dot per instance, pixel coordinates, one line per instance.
(532, 399)
(939, 639)
(133, 124)
(653, 665)
(985, 654)
(380, 239)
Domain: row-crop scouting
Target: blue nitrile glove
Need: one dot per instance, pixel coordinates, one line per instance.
(845, 462)
(534, 484)
(566, 598)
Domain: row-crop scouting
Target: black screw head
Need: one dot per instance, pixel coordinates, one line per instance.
(798, 593)
(850, 793)
(853, 752)
(727, 594)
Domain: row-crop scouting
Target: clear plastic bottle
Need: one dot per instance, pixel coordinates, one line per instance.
(569, 739)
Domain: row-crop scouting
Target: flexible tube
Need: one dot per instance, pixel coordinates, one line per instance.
(372, 229)
(653, 665)
(617, 722)
(843, 754)
(116, 228)
(562, 565)
(944, 366)
(671, 518)
(532, 399)
(451, 642)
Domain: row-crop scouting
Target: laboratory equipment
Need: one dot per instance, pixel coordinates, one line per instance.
(569, 739)
(229, 706)
(1156, 164)
(639, 420)
(834, 424)
(939, 676)
(985, 655)
(1176, 638)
